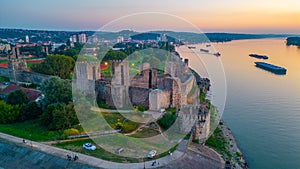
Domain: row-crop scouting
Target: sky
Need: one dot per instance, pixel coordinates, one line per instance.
(243, 16)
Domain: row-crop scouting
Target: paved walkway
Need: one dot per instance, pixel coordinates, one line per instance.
(92, 161)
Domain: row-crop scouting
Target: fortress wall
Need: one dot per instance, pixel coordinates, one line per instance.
(159, 99)
(4, 72)
(30, 77)
(100, 89)
(139, 96)
(186, 87)
(23, 76)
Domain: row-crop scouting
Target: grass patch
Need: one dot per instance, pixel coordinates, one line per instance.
(147, 131)
(167, 152)
(106, 72)
(117, 121)
(29, 65)
(202, 96)
(4, 79)
(3, 61)
(102, 104)
(76, 146)
(167, 119)
(218, 142)
(31, 130)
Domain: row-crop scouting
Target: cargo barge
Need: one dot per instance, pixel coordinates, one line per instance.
(259, 56)
(204, 50)
(272, 68)
(192, 47)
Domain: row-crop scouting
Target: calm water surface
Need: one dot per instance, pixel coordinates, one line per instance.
(263, 109)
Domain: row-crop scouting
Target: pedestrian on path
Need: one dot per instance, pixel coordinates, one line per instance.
(75, 157)
(69, 157)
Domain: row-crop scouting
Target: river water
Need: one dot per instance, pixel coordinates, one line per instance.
(262, 109)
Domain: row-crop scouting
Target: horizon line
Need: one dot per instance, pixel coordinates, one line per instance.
(77, 30)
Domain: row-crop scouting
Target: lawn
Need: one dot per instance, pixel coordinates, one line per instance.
(76, 146)
(3, 61)
(117, 121)
(31, 130)
(147, 131)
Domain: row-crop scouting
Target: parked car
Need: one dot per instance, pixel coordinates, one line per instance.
(89, 146)
(152, 154)
(6, 83)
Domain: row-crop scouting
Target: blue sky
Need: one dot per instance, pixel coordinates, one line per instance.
(253, 16)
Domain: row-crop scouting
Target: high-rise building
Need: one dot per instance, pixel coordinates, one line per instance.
(74, 38)
(82, 38)
(164, 38)
(27, 39)
(120, 39)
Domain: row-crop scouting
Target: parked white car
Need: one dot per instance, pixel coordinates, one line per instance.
(89, 146)
(152, 154)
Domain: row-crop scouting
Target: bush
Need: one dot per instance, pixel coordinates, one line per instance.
(70, 132)
(8, 113)
(17, 97)
(167, 120)
(141, 108)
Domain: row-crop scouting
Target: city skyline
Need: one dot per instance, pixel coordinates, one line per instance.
(214, 16)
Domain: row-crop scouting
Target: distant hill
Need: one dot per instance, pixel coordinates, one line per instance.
(189, 37)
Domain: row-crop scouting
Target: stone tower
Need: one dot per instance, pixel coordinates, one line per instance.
(15, 67)
(86, 73)
(120, 72)
(120, 83)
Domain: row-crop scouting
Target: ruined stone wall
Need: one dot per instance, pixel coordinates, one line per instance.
(24, 76)
(31, 77)
(139, 96)
(186, 87)
(142, 80)
(159, 99)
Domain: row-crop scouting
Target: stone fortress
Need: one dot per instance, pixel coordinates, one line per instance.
(156, 91)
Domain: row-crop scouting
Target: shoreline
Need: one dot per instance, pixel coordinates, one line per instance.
(237, 160)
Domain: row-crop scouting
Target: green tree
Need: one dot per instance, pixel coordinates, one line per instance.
(59, 116)
(57, 65)
(17, 97)
(8, 113)
(114, 55)
(30, 111)
(56, 90)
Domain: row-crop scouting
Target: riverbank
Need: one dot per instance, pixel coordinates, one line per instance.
(224, 142)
